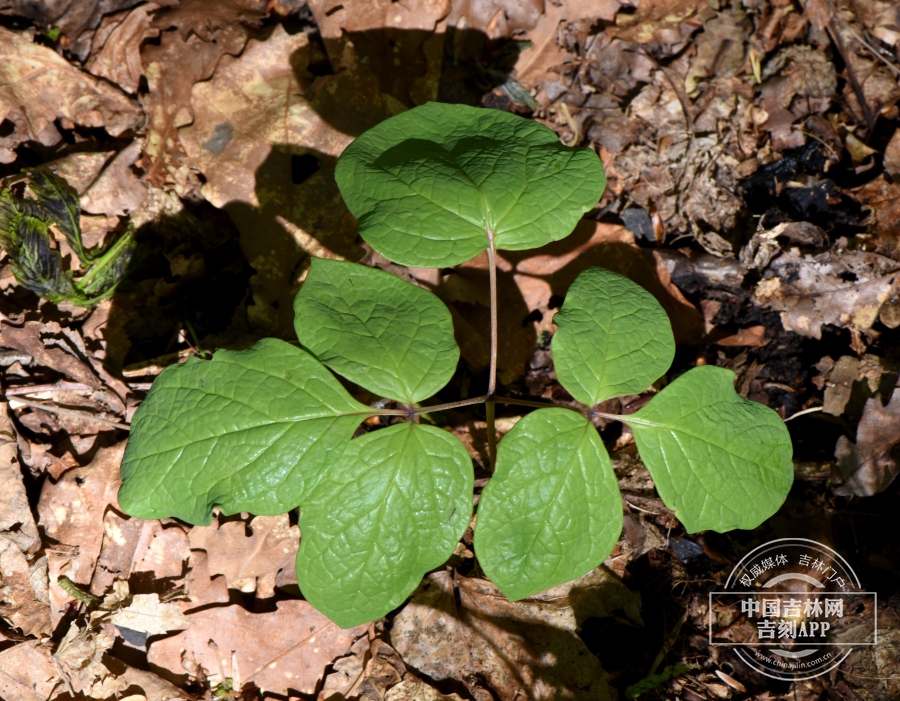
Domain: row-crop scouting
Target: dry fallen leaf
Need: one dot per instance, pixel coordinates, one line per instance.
(871, 464)
(239, 550)
(286, 649)
(42, 86)
(71, 512)
(253, 130)
(24, 599)
(838, 287)
(522, 649)
(147, 614)
(27, 673)
(117, 46)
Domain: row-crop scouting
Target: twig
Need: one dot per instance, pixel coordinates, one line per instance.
(805, 411)
(851, 76)
(57, 387)
(83, 415)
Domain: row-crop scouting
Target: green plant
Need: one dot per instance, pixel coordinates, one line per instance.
(270, 428)
(25, 234)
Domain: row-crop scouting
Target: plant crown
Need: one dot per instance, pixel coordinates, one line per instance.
(268, 429)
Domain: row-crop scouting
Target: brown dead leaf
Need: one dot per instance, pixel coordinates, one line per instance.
(73, 17)
(24, 599)
(80, 657)
(116, 47)
(663, 21)
(28, 339)
(868, 466)
(797, 81)
(71, 513)
(527, 648)
(495, 18)
(27, 673)
(41, 85)
(240, 550)
(251, 122)
(838, 287)
(147, 614)
(204, 19)
(117, 190)
(120, 539)
(285, 649)
(172, 68)
(162, 549)
(79, 169)
(892, 154)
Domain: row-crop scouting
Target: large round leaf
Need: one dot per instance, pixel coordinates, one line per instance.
(719, 461)
(430, 184)
(249, 430)
(552, 511)
(393, 507)
(614, 338)
(384, 334)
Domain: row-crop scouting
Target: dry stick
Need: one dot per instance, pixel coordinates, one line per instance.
(851, 76)
(83, 415)
(58, 387)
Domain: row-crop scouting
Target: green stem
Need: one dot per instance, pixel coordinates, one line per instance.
(492, 377)
(104, 261)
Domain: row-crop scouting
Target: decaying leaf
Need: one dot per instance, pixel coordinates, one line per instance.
(72, 511)
(24, 599)
(842, 288)
(42, 86)
(147, 614)
(871, 464)
(253, 134)
(483, 636)
(269, 653)
(240, 550)
(119, 41)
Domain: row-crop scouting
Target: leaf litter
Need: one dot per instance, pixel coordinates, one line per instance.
(752, 148)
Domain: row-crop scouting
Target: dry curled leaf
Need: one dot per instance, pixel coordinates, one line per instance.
(42, 86)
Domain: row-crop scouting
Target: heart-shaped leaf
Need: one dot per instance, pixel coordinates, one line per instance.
(249, 430)
(393, 507)
(431, 184)
(719, 461)
(552, 511)
(384, 334)
(613, 338)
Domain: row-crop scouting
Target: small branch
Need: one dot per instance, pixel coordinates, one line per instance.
(58, 387)
(805, 411)
(83, 415)
(851, 77)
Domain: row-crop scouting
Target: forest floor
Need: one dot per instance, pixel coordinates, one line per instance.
(752, 149)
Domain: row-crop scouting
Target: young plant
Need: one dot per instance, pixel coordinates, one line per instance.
(269, 428)
(25, 234)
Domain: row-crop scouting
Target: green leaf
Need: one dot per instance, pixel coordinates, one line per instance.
(382, 333)
(613, 338)
(249, 430)
(552, 511)
(393, 507)
(718, 460)
(430, 184)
